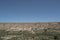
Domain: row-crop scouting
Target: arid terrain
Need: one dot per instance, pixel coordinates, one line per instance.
(30, 31)
(28, 26)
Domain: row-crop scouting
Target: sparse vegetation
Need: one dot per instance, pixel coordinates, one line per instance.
(27, 35)
(38, 31)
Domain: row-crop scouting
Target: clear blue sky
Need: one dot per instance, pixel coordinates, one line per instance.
(29, 10)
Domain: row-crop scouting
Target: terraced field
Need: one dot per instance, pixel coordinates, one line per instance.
(31, 31)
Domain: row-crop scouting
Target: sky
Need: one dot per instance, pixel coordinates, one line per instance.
(29, 10)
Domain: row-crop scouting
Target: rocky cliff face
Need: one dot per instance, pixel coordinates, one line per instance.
(28, 26)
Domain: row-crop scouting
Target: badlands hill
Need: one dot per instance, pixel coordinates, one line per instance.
(29, 26)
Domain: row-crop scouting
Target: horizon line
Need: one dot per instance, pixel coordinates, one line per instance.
(28, 22)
